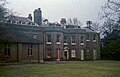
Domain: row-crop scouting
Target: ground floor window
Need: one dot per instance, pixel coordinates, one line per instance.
(82, 54)
(49, 53)
(87, 54)
(73, 53)
(7, 50)
(94, 54)
(30, 49)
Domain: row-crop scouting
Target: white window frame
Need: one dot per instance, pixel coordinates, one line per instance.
(48, 38)
(82, 40)
(94, 54)
(73, 39)
(82, 54)
(73, 53)
(58, 39)
(30, 50)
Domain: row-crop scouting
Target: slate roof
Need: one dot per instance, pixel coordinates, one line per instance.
(21, 19)
(18, 36)
(88, 29)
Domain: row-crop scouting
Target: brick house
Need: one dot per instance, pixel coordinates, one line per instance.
(71, 43)
(51, 42)
(19, 43)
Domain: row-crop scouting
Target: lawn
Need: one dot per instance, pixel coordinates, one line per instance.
(73, 69)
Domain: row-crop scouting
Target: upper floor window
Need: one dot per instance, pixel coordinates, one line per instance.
(73, 40)
(30, 47)
(7, 49)
(65, 39)
(58, 38)
(87, 37)
(48, 38)
(94, 38)
(82, 40)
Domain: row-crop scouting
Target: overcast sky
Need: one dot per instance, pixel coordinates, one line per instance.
(54, 10)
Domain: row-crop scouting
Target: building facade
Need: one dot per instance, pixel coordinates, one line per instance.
(43, 43)
(71, 44)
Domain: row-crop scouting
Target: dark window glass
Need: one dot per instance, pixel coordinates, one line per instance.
(73, 39)
(82, 39)
(30, 49)
(48, 37)
(58, 38)
(49, 52)
(94, 37)
(7, 49)
(87, 37)
(65, 38)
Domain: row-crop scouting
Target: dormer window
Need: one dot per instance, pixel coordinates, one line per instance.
(26, 23)
(23, 23)
(17, 22)
(13, 22)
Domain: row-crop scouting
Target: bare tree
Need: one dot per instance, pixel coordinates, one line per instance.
(111, 16)
(111, 10)
(74, 21)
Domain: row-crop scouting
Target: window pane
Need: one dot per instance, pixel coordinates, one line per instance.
(87, 37)
(48, 37)
(30, 49)
(73, 53)
(73, 39)
(82, 39)
(94, 37)
(65, 38)
(58, 38)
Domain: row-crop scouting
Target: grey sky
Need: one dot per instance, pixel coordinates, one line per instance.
(54, 10)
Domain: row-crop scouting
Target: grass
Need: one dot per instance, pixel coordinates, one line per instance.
(74, 69)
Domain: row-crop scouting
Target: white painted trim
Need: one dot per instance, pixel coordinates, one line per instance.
(82, 54)
(82, 43)
(58, 43)
(49, 43)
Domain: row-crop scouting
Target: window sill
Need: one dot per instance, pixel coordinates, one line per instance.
(82, 44)
(48, 56)
(94, 40)
(58, 43)
(73, 43)
(49, 43)
(87, 40)
(65, 43)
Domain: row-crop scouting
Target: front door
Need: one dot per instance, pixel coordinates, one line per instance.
(66, 55)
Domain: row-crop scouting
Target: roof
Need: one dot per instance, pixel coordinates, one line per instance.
(18, 36)
(16, 18)
(88, 29)
(21, 19)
